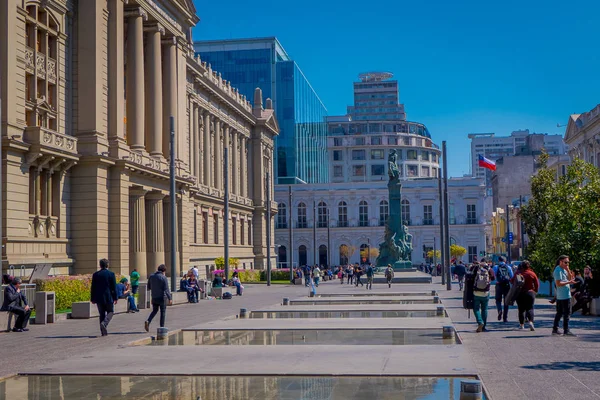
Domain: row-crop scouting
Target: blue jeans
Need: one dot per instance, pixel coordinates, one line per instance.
(131, 302)
(317, 280)
(480, 309)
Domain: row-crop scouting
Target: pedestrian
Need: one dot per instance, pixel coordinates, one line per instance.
(481, 294)
(350, 273)
(307, 271)
(504, 274)
(564, 278)
(317, 275)
(124, 292)
(460, 270)
(135, 281)
(584, 295)
(389, 275)
(358, 273)
(104, 294)
(529, 287)
(158, 285)
(370, 273)
(16, 303)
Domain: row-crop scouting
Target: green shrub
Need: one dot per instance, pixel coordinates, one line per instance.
(220, 262)
(67, 289)
(282, 274)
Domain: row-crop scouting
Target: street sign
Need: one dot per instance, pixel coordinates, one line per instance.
(510, 237)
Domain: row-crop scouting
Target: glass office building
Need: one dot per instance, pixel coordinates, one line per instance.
(301, 147)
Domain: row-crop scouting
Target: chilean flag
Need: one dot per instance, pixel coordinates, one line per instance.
(486, 163)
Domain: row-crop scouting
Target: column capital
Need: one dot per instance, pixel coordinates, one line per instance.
(137, 192)
(154, 195)
(154, 27)
(136, 12)
(170, 40)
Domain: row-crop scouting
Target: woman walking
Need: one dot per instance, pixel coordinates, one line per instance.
(526, 296)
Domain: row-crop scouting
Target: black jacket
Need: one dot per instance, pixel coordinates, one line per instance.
(104, 287)
(12, 299)
(158, 284)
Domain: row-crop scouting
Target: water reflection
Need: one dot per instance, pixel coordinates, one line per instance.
(227, 388)
(388, 337)
(342, 314)
(358, 300)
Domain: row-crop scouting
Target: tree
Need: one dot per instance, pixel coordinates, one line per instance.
(438, 254)
(233, 262)
(347, 251)
(563, 217)
(370, 253)
(457, 251)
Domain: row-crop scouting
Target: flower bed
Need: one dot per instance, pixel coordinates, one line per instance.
(245, 275)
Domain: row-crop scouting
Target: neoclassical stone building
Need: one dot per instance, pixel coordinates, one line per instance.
(88, 89)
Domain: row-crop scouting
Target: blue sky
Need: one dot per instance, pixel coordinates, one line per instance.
(462, 66)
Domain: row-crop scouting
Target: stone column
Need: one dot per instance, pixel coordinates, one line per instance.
(154, 230)
(226, 145)
(244, 168)
(169, 93)
(218, 166)
(234, 164)
(196, 143)
(116, 67)
(135, 78)
(153, 77)
(206, 155)
(137, 232)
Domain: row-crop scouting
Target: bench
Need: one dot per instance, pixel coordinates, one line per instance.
(299, 281)
(87, 310)
(6, 321)
(218, 292)
(179, 298)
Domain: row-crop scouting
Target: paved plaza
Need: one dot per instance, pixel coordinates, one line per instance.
(512, 364)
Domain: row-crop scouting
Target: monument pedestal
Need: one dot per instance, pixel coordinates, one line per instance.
(403, 266)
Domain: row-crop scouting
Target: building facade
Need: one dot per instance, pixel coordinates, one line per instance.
(327, 219)
(583, 136)
(301, 148)
(518, 143)
(359, 142)
(94, 89)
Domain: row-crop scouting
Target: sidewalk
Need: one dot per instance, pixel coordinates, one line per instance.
(530, 365)
(59, 341)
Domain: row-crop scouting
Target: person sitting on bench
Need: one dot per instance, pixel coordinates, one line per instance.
(12, 303)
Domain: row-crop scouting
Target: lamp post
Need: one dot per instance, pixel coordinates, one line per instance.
(173, 204)
(268, 230)
(443, 239)
(226, 210)
(291, 234)
(446, 219)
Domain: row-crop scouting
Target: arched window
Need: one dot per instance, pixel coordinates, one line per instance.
(344, 254)
(41, 68)
(281, 216)
(405, 212)
(364, 253)
(342, 214)
(322, 215)
(363, 213)
(323, 255)
(384, 212)
(302, 259)
(301, 215)
(282, 257)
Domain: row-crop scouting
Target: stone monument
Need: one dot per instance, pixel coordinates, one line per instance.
(396, 247)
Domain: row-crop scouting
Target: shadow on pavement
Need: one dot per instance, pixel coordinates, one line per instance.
(570, 365)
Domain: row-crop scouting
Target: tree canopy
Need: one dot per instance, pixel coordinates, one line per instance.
(457, 251)
(563, 217)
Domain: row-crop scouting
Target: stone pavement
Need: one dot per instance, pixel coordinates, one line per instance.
(44, 344)
(517, 364)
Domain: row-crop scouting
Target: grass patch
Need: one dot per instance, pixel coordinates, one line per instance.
(286, 282)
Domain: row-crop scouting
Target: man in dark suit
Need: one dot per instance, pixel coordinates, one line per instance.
(12, 303)
(104, 294)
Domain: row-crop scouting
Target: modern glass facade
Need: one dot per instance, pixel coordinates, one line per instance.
(301, 147)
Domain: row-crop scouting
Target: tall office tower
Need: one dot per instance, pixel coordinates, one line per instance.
(301, 147)
(376, 98)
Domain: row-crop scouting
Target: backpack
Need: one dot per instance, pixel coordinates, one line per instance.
(388, 273)
(516, 289)
(226, 296)
(482, 280)
(369, 271)
(503, 274)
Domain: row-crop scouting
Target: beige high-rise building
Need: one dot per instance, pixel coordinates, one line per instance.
(88, 88)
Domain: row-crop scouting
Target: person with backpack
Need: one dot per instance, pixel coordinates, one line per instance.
(307, 272)
(357, 275)
(460, 271)
(525, 286)
(481, 294)
(504, 274)
(370, 272)
(389, 275)
(350, 273)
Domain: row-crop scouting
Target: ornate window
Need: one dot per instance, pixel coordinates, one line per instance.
(322, 215)
(41, 67)
(405, 212)
(281, 216)
(301, 215)
(342, 214)
(363, 213)
(471, 214)
(427, 214)
(384, 212)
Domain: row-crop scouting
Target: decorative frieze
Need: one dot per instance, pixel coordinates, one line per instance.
(29, 60)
